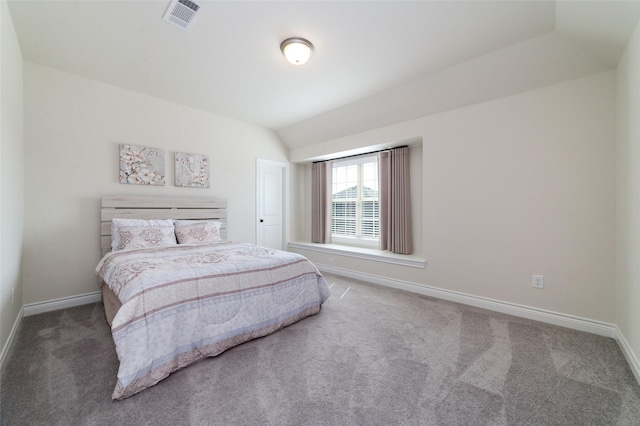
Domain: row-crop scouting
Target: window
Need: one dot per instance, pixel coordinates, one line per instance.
(355, 217)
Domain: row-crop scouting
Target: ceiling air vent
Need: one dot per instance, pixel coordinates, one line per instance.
(182, 13)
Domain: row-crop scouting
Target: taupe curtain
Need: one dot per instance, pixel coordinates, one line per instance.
(321, 202)
(395, 201)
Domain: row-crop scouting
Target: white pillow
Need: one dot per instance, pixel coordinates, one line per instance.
(198, 231)
(140, 233)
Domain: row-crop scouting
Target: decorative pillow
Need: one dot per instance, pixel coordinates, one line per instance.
(139, 233)
(146, 236)
(198, 231)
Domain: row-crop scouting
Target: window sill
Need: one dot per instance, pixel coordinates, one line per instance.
(364, 253)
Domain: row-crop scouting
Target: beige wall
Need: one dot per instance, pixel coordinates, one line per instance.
(628, 196)
(73, 126)
(513, 187)
(11, 175)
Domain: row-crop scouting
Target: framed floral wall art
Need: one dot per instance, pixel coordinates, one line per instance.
(192, 170)
(141, 165)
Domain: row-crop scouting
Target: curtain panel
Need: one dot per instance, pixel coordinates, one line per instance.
(395, 201)
(321, 202)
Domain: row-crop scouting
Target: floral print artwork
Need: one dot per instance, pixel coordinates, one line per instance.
(192, 170)
(141, 165)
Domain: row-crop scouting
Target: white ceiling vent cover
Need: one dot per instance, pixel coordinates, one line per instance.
(182, 13)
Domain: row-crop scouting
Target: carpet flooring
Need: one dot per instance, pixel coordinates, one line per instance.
(372, 356)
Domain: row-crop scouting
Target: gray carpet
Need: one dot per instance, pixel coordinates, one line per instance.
(373, 356)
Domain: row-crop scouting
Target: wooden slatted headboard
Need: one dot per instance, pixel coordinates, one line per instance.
(133, 207)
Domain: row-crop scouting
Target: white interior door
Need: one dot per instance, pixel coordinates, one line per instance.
(272, 202)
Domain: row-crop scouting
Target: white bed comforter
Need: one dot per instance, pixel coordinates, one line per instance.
(186, 302)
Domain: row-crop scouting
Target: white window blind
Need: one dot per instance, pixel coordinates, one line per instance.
(355, 209)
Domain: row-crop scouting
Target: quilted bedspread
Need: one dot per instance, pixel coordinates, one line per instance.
(186, 302)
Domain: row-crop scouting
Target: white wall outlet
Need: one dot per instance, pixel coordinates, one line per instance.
(537, 281)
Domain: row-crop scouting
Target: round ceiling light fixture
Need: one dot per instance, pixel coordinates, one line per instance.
(297, 50)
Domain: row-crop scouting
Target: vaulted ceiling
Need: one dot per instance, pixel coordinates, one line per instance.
(375, 62)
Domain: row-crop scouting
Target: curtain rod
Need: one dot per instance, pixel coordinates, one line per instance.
(365, 153)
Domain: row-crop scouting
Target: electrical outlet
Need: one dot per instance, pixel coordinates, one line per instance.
(537, 281)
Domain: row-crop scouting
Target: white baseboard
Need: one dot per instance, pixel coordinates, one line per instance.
(63, 303)
(10, 341)
(549, 317)
(632, 359)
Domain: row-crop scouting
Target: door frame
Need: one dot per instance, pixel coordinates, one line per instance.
(284, 167)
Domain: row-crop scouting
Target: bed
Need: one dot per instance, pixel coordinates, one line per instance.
(171, 302)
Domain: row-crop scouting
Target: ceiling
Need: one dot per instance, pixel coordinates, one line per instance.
(374, 61)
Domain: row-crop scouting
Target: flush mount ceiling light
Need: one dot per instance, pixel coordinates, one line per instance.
(297, 50)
